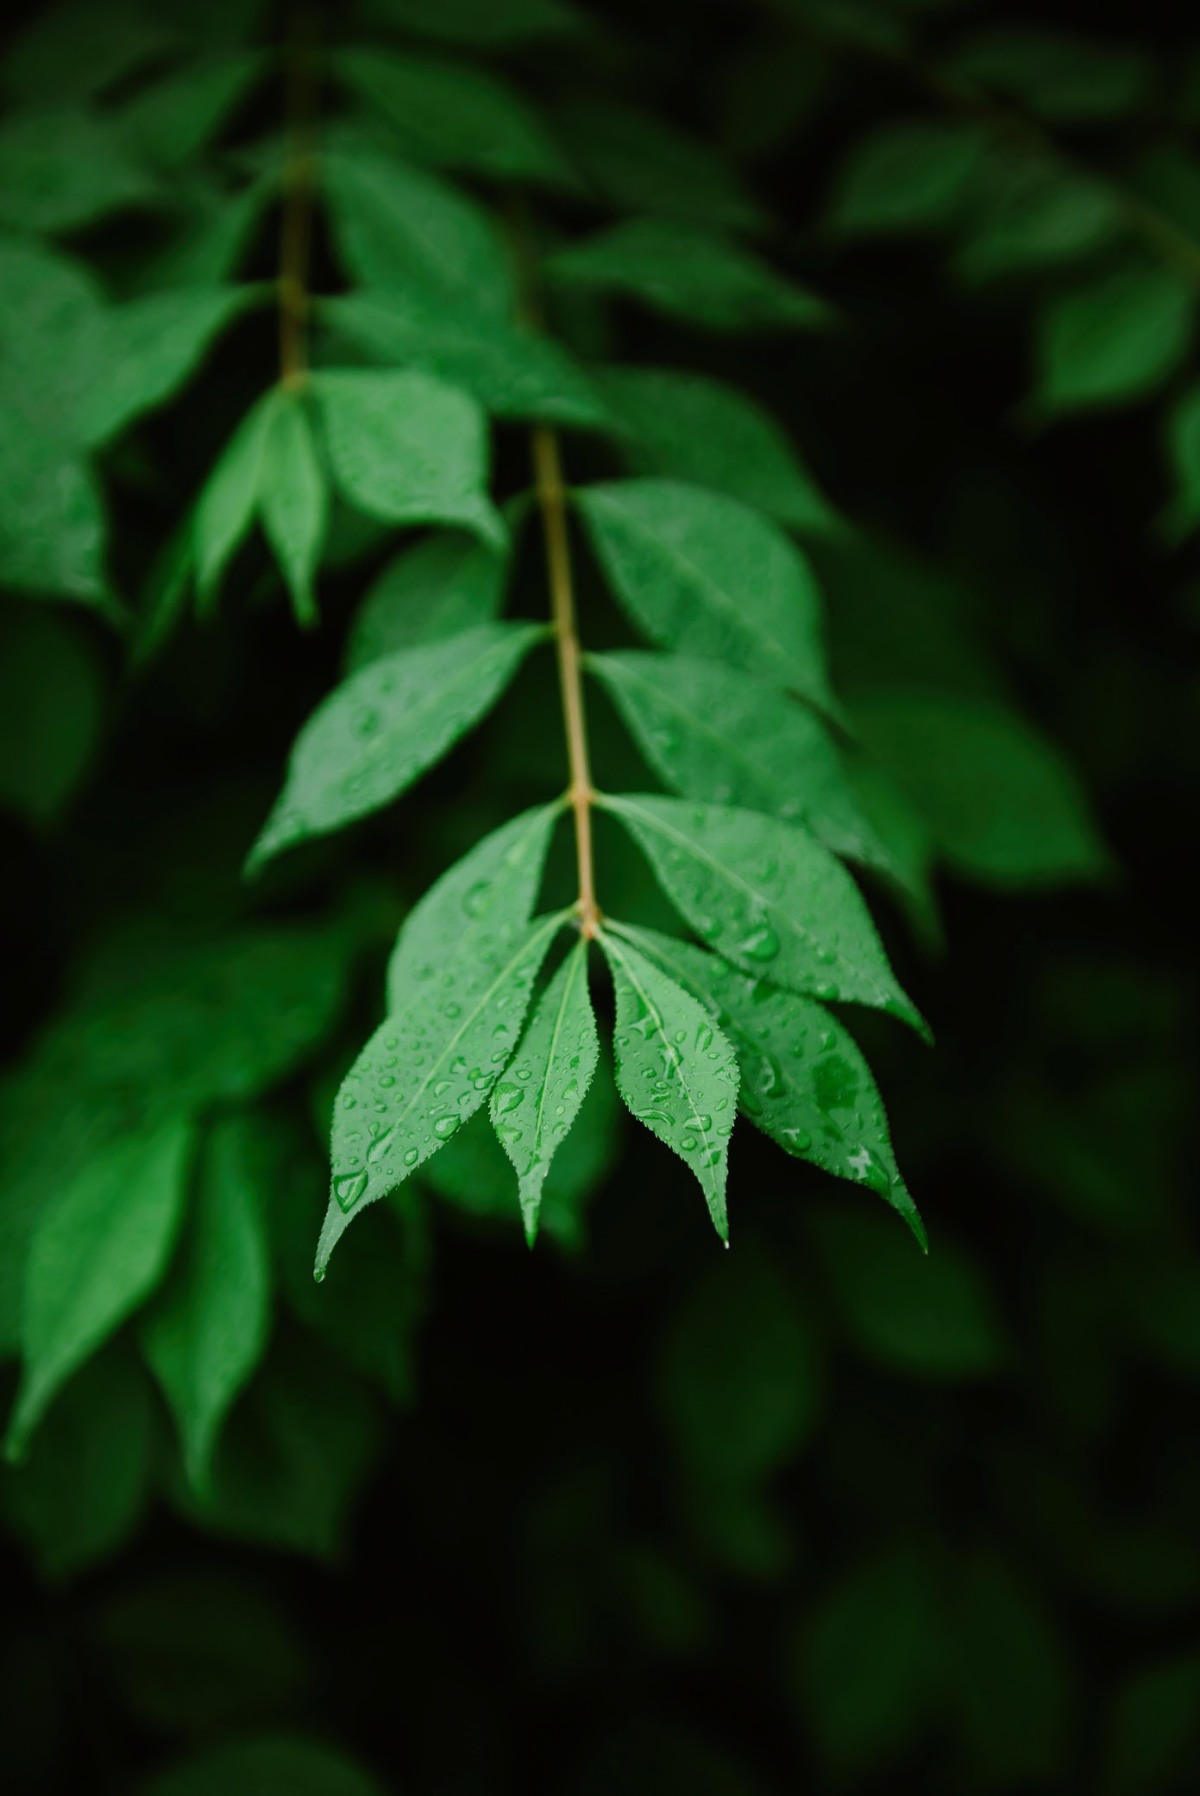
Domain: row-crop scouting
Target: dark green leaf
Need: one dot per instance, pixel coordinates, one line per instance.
(640, 164)
(675, 1069)
(138, 354)
(98, 1251)
(168, 123)
(707, 576)
(474, 22)
(767, 897)
(1151, 1733)
(77, 48)
(64, 168)
(687, 273)
(537, 1101)
(444, 585)
(378, 731)
(1113, 340)
(282, 1765)
(52, 525)
(206, 1330)
(686, 427)
(52, 702)
(904, 177)
(1064, 76)
(408, 449)
(1031, 215)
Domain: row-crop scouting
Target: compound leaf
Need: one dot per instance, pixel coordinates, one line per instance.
(803, 1080)
(430, 1065)
(706, 575)
(536, 1102)
(98, 1251)
(685, 427)
(767, 897)
(380, 729)
(437, 588)
(676, 1070)
(207, 1328)
(407, 449)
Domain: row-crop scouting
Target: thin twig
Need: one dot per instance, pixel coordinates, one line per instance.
(295, 233)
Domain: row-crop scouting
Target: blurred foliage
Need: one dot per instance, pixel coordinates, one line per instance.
(629, 1512)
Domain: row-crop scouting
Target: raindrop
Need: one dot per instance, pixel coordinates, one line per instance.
(349, 1188)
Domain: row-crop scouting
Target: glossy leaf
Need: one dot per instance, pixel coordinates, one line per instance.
(295, 501)
(536, 1102)
(63, 168)
(718, 735)
(407, 449)
(206, 1330)
(98, 1251)
(1113, 340)
(767, 897)
(398, 227)
(511, 371)
(687, 273)
(905, 176)
(707, 576)
(430, 1066)
(676, 1070)
(803, 1080)
(455, 116)
(686, 427)
(442, 586)
(379, 731)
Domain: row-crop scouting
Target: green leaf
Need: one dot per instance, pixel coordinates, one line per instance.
(1183, 435)
(168, 123)
(436, 589)
(705, 575)
(430, 1066)
(80, 47)
(803, 1080)
(1031, 215)
(63, 168)
(496, 23)
(536, 1102)
(768, 897)
(50, 301)
(294, 500)
(1067, 77)
(676, 1071)
(928, 1317)
(714, 734)
(408, 449)
(52, 706)
(380, 729)
(138, 354)
(226, 506)
(1151, 1732)
(492, 888)
(206, 1330)
(905, 176)
(455, 116)
(513, 372)
(84, 1486)
(685, 427)
(996, 798)
(640, 164)
(52, 525)
(1113, 340)
(397, 227)
(687, 273)
(98, 1251)
(276, 1765)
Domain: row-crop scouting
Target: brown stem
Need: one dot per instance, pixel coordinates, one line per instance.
(295, 232)
(548, 480)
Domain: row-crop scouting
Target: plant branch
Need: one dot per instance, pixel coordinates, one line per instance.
(548, 482)
(295, 234)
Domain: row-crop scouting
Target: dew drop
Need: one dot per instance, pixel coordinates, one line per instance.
(349, 1188)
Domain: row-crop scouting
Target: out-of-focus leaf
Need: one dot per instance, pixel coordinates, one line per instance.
(1113, 340)
(52, 693)
(1151, 1731)
(1067, 77)
(638, 163)
(283, 1765)
(64, 167)
(446, 584)
(909, 176)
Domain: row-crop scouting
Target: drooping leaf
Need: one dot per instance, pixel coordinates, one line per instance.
(803, 1080)
(430, 1066)
(492, 889)
(687, 273)
(640, 164)
(408, 449)
(206, 1330)
(98, 1251)
(1113, 340)
(53, 528)
(996, 798)
(455, 115)
(380, 729)
(397, 227)
(1032, 214)
(705, 575)
(138, 354)
(64, 167)
(714, 734)
(906, 176)
(686, 427)
(275, 1765)
(1067, 77)
(226, 506)
(511, 371)
(50, 300)
(167, 123)
(676, 1070)
(295, 501)
(444, 585)
(536, 1102)
(767, 897)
